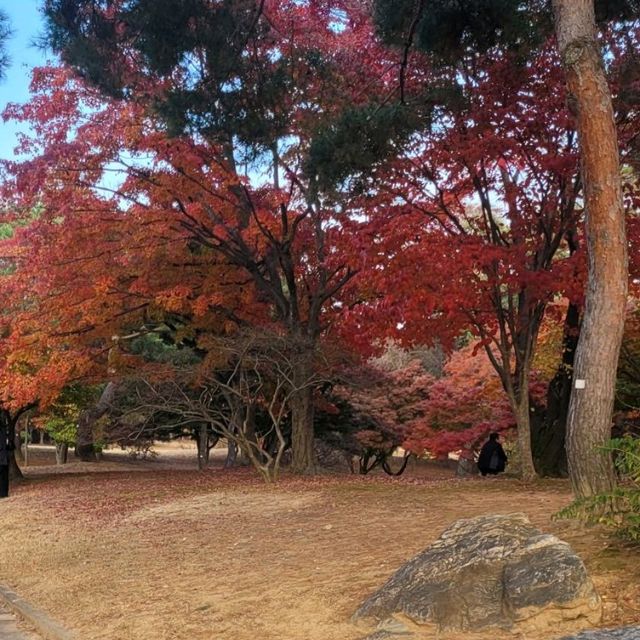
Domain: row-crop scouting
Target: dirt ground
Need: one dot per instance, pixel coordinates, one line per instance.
(171, 553)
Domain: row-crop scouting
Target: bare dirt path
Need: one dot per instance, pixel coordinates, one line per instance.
(183, 555)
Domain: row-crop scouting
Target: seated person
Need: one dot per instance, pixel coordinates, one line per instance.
(493, 459)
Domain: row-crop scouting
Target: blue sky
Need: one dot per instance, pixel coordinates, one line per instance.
(27, 25)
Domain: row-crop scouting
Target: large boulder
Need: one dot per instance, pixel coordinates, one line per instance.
(489, 571)
(623, 633)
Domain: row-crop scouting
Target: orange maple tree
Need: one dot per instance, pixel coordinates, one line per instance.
(123, 225)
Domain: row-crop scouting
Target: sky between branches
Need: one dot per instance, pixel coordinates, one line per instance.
(25, 55)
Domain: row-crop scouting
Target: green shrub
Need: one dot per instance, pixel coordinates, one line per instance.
(62, 429)
(626, 456)
(620, 508)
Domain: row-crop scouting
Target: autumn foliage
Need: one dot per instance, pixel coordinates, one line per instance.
(321, 186)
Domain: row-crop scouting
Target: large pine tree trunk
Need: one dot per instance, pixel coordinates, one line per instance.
(591, 407)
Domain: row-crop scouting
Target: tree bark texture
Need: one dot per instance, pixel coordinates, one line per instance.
(203, 447)
(232, 454)
(303, 455)
(522, 415)
(62, 449)
(591, 407)
(247, 426)
(302, 416)
(85, 441)
(549, 426)
(15, 473)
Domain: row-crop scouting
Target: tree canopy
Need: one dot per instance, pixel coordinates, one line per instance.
(201, 176)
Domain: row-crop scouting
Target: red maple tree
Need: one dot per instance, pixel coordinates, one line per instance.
(477, 225)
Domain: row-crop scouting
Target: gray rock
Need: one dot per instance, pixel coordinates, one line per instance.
(331, 458)
(466, 468)
(624, 633)
(545, 570)
(491, 571)
(384, 635)
(391, 629)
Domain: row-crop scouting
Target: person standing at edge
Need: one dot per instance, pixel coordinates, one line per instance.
(4, 462)
(492, 459)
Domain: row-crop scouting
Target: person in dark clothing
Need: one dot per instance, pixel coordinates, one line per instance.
(492, 459)
(5, 449)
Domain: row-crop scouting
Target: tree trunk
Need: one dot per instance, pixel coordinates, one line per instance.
(19, 448)
(84, 444)
(248, 427)
(232, 454)
(521, 412)
(85, 449)
(62, 449)
(591, 404)
(15, 473)
(549, 431)
(203, 447)
(302, 414)
(241, 433)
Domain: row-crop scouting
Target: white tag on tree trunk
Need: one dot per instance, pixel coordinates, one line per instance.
(580, 384)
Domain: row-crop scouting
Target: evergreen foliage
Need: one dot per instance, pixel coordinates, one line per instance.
(357, 140)
(5, 34)
(217, 89)
(455, 32)
(452, 29)
(449, 28)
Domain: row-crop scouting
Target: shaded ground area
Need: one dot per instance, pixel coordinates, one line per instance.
(179, 454)
(123, 555)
